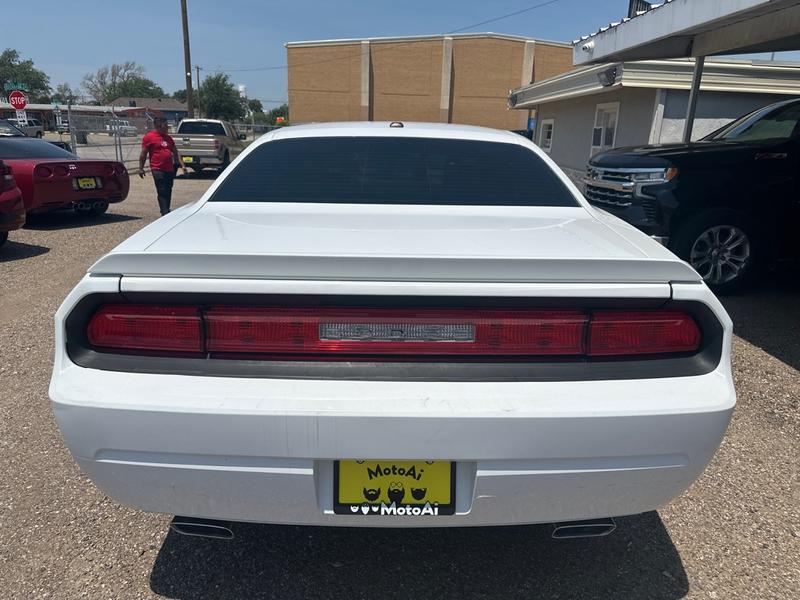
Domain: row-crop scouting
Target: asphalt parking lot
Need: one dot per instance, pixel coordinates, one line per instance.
(734, 534)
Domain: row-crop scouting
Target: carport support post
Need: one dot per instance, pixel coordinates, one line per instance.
(72, 141)
(691, 109)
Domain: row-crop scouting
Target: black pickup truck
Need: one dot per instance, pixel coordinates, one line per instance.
(729, 204)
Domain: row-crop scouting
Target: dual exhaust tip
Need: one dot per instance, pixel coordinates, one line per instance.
(221, 530)
(583, 529)
(207, 528)
(97, 204)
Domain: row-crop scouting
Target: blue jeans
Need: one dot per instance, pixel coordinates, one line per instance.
(163, 180)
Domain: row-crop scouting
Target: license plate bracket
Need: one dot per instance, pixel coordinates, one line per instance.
(87, 183)
(394, 487)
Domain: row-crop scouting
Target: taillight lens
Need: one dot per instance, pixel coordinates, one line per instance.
(43, 171)
(615, 333)
(216, 145)
(6, 178)
(61, 170)
(339, 333)
(394, 332)
(144, 327)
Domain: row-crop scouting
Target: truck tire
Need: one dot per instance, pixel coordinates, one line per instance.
(721, 245)
(39, 134)
(226, 160)
(3, 237)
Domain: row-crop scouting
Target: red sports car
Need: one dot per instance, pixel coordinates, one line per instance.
(51, 178)
(12, 208)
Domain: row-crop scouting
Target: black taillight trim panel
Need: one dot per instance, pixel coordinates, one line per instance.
(700, 362)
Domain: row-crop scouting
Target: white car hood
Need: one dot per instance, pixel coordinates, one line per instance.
(392, 242)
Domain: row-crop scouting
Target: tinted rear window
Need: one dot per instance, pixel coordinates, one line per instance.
(200, 128)
(375, 170)
(30, 148)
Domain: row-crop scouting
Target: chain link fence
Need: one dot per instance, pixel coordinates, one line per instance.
(109, 136)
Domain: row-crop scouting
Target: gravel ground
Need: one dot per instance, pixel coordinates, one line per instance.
(734, 534)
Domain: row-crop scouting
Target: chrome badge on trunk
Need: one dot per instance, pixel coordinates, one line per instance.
(396, 332)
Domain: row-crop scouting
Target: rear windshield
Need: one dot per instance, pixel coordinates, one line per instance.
(11, 148)
(376, 170)
(200, 128)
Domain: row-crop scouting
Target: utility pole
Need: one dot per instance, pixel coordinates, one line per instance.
(197, 69)
(187, 61)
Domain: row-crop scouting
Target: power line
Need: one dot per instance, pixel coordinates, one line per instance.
(353, 56)
(506, 16)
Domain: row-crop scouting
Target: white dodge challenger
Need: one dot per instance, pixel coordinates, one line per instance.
(395, 324)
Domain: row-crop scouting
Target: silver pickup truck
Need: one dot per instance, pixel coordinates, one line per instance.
(34, 128)
(208, 143)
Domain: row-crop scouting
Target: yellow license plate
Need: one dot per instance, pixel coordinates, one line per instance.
(87, 183)
(394, 487)
(188, 159)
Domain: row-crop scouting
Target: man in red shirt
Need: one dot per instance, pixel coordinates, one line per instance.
(159, 146)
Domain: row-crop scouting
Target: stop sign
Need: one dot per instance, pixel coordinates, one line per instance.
(17, 100)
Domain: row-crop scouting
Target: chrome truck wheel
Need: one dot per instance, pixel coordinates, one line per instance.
(720, 254)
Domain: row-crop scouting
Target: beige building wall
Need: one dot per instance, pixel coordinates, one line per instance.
(483, 72)
(325, 83)
(458, 79)
(406, 81)
(550, 60)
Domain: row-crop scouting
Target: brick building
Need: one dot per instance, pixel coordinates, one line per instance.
(461, 78)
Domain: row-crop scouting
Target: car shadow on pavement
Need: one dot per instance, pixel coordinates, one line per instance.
(639, 560)
(68, 220)
(768, 317)
(12, 250)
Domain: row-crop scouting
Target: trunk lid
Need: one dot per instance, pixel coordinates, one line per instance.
(397, 243)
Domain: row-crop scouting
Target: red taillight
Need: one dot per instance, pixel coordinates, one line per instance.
(61, 170)
(216, 145)
(6, 178)
(339, 333)
(144, 327)
(354, 331)
(43, 171)
(614, 333)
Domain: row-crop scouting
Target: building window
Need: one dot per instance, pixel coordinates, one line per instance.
(546, 134)
(604, 134)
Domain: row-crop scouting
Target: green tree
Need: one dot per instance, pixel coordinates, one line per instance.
(261, 118)
(254, 106)
(137, 87)
(179, 95)
(219, 99)
(65, 94)
(125, 79)
(15, 70)
(278, 111)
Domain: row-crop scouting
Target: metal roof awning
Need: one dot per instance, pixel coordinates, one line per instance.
(683, 28)
(698, 28)
(720, 75)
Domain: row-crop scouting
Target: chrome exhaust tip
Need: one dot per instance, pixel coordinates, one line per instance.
(207, 528)
(583, 529)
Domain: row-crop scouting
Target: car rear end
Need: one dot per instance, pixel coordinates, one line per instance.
(59, 183)
(198, 151)
(12, 207)
(389, 365)
(201, 143)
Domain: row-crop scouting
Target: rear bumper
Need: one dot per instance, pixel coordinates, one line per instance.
(198, 158)
(263, 451)
(12, 214)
